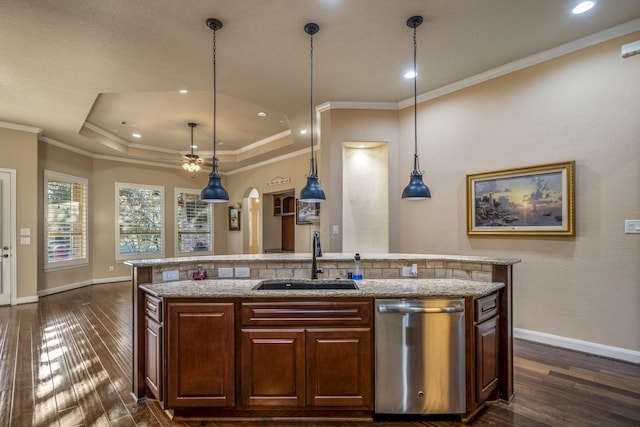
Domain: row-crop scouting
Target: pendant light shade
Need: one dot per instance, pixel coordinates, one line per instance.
(214, 192)
(416, 190)
(312, 192)
(193, 161)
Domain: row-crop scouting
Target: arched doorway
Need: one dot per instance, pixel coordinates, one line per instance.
(251, 234)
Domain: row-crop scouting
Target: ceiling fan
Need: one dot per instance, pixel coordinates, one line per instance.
(192, 161)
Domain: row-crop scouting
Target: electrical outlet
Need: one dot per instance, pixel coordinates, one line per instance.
(111, 268)
(225, 272)
(169, 275)
(243, 272)
(632, 226)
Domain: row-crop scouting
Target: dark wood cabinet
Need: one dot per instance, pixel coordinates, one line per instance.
(486, 358)
(153, 372)
(339, 367)
(307, 354)
(153, 360)
(486, 343)
(200, 354)
(272, 366)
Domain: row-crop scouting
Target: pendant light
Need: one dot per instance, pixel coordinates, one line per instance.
(312, 192)
(193, 161)
(416, 190)
(214, 192)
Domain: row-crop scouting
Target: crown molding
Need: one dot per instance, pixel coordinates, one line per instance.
(21, 128)
(529, 61)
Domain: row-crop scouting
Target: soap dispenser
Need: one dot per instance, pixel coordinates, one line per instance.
(356, 272)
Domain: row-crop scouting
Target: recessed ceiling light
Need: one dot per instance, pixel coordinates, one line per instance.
(183, 91)
(136, 135)
(410, 75)
(583, 7)
(262, 114)
(303, 131)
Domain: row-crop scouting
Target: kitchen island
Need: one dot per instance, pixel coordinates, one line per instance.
(219, 347)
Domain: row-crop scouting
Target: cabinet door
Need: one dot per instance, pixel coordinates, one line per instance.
(153, 361)
(486, 358)
(339, 367)
(272, 367)
(200, 354)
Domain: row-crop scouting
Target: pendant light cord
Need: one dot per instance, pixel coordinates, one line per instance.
(416, 165)
(215, 102)
(313, 160)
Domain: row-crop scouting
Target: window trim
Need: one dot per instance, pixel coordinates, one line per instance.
(72, 263)
(118, 187)
(176, 233)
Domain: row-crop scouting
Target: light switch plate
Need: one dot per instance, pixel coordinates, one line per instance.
(243, 272)
(170, 275)
(336, 229)
(632, 226)
(225, 272)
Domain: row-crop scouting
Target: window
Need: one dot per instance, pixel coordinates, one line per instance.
(193, 222)
(139, 233)
(65, 220)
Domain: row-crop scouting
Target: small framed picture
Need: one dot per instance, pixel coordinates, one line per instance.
(535, 201)
(306, 211)
(234, 219)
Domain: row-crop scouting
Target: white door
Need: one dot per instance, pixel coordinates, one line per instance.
(7, 234)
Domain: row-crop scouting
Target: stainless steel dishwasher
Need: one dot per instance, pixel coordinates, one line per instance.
(419, 356)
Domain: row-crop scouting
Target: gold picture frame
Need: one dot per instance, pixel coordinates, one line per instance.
(530, 201)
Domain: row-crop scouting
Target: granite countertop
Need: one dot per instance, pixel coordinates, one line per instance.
(325, 257)
(376, 288)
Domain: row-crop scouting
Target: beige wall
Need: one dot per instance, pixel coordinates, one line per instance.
(296, 168)
(68, 162)
(19, 151)
(584, 107)
(338, 127)
(105, 174)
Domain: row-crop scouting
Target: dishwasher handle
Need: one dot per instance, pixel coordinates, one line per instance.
(397, 308)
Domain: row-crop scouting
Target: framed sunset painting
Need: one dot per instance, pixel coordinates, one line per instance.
(537, 200)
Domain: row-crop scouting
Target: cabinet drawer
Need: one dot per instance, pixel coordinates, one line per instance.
(486, 307)
(322, 312)
(153, 308)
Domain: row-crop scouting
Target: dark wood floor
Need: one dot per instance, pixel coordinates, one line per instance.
(66, 361)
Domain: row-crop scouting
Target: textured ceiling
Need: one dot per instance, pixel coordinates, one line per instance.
(77, 69)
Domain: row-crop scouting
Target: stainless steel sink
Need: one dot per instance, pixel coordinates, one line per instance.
(300, 284)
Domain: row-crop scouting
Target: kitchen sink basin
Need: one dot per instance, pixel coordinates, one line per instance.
(301, 284)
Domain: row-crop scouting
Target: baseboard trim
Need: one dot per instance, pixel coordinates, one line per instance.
(45, 292)
(579, 345)
(26, 300)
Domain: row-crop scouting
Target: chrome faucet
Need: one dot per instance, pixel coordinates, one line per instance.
(317, 252)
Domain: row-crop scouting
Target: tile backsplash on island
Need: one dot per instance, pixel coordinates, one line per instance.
(298, 269)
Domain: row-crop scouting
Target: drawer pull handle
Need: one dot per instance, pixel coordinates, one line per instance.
(488, 308)
(302, 311)
(152, 307)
